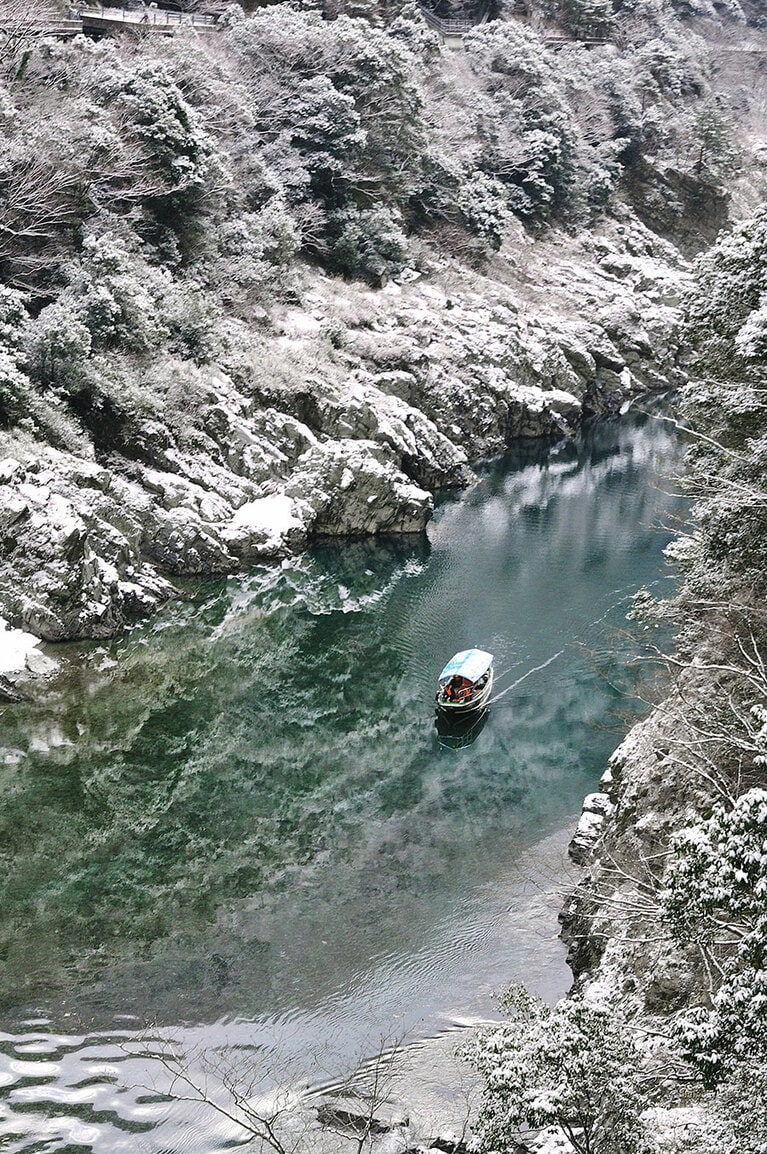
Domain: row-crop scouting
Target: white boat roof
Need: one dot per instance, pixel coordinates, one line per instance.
(469, 663)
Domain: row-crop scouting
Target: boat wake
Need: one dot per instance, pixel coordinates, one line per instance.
(622, 600)
(530, 672)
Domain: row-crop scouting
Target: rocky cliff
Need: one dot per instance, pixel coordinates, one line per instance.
(386, 398)
(308, 303)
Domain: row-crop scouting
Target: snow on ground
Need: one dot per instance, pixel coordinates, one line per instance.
(15, 646)
(271, 519)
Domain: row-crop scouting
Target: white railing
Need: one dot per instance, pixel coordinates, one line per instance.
(455, 26)
(153, 17)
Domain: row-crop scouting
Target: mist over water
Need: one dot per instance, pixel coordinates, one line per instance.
(240, 825)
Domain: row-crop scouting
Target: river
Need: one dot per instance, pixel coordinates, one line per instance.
(237, 826)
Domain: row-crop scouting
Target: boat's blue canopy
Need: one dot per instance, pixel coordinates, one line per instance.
(469, 663)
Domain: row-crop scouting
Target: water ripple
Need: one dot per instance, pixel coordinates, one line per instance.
(240, 820)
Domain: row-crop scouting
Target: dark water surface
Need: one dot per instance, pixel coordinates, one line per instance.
(238, 823)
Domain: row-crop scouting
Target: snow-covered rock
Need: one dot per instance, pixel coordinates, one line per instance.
(353, 488)
(364, 411)
(38, 664)
(64, 557)
(596, 806)
(16, 648)
(268, 527)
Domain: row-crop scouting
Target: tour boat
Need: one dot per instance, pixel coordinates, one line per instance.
(466, 682)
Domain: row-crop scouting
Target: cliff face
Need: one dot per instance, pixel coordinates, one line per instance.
(668, 923)
(291, 280)
(612, 922)
(378, 399)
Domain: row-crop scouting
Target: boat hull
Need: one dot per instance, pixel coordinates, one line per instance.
(459, 730)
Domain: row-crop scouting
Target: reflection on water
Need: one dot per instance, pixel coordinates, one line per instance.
(239, 821)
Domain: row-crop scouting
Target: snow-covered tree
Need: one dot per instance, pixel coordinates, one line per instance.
(15, 388)
(370, 243)
(118, 292)
(484, 205)
(731, 285)
(23, 23)
(58, 345)
(14, 318)
(716, 896)
(152, 111)
(574, 1067)
(589, 17)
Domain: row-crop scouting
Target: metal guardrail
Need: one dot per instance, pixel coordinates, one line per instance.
(440, 25)
(62, 27)
(142, 17)
(459, 27)
(587, 41)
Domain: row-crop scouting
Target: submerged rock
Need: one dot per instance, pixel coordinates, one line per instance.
(8, 691)
(356, 1115)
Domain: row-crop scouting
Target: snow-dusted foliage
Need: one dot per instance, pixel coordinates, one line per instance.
(14, 389)
(713, 897)
(740, 1113)
(154, 115)
(338, 109)
(573, 1067)
(726, 311)
(370, 242)
(13, 318)
(14, 385)
(118, 293)
(716, 896)
(724, 561)
(59, 344)
(526, 127)
(484, 205)
(589, 17)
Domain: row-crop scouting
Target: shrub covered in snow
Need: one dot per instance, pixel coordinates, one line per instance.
(370, 243)
(716, 896)
(726, 310)
(574, 1067)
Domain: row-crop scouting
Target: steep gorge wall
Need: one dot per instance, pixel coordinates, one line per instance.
(197, 395)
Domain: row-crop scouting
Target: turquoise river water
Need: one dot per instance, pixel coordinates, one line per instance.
(238, 827)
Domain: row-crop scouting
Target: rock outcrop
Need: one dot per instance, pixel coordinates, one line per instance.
(596, 806)
(378, 400)
(86, 548)
(618, 946)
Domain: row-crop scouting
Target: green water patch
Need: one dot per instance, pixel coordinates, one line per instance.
(265, 754)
